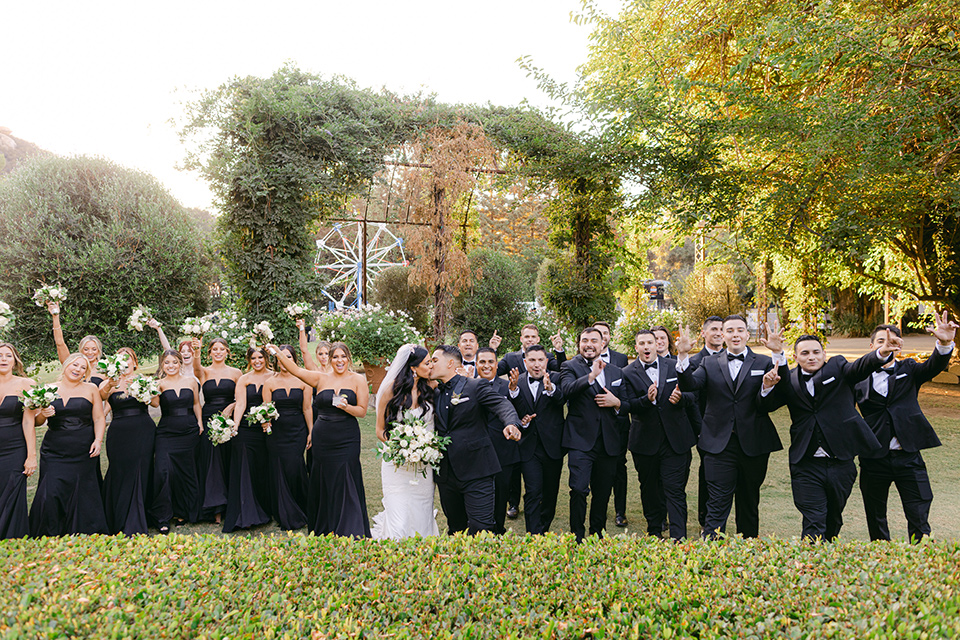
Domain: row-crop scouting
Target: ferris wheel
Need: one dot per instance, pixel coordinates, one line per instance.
(341, 253)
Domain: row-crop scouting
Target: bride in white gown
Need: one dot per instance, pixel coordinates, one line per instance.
(407, 496)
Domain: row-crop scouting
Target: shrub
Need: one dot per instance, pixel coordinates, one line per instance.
(711, 290)
(392, 290)
(549, 324)
(113, 236)
(624, 335)
(298, 586)
(577, 296)
(493, 302)
(373, 334)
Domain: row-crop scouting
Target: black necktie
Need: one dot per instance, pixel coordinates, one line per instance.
(647, 367)
(738, 356)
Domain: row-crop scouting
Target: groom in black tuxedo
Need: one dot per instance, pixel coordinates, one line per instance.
(465, 478)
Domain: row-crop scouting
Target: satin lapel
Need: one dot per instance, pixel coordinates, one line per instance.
(457, 391)
(798, 388)
(748, 359)
(891, 382)
(725, 372)
(524, 385)
(662, 364)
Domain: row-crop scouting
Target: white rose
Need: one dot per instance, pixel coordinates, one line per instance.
(414, 457)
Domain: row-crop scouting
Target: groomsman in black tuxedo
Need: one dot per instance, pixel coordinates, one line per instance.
(591, 434)
(620, 360)
(539, 403)
(529, 336)
(508, 451)
(468, 345)
(888, 402)
(465, 478)
(712, 333)
(737, 435)
(826, 432)
(660, 436)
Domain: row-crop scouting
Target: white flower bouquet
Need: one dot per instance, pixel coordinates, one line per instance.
(56, 294)
(263, 414)
(141, 316)
(411, 443)
(114, 366)
(143, 388)
(219, 429)
(262, 334)
(40, 396)
(6, 317)
(196, 327)
(299, 310)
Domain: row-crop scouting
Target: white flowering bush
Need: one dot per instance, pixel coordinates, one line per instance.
(6, 318)
(373, 333)
(412, 444)
(233, 328)
(548, 324)
(625, 332)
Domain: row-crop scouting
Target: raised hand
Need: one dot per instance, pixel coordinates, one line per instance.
(514, 377)
(652, 393)
(301, 324)
(944, 329)
(771, 378)
(53, 307)
(557, 341)
(195, 344)
(495, 340)
(675, 395)
(607, 399)
(527, 419)
(547, 383)
(772, 341)
(891, 345)
(684, 342)
(598, 366)
(153, 323)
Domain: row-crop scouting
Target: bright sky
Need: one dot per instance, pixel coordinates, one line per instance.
(105, 77)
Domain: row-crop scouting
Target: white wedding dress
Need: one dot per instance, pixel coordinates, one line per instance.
(407, 500)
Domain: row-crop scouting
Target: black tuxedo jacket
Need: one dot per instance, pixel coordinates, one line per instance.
(651, 423)
(471, 453)
(898, 414)
(617, 359)
(732, 404)
(585, 420)
(514, 360)
(832, 407)
(508, 451)
(547, 427)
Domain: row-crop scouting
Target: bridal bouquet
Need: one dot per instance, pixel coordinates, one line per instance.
(219, 429)
(40, 396)
(141, 315)
(46, 293)
(263, 414)
(114, 366)
(196, 327)
(143, 388)
(6, 317)
(412, 443)
(299, 310)
(262, 334)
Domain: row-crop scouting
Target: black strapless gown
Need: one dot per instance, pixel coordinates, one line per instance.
(337, 502)
(129, 444)
(68, 494)
(249, 492)
(287, 470)
(176, 484)
(215, 460)
(13, 484)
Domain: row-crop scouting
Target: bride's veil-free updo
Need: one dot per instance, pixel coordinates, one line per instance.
(400, 380)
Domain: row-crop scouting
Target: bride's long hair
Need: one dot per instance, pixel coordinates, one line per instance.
(403, 388)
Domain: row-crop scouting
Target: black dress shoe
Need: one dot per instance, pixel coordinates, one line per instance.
(512, 512)
(621, 520)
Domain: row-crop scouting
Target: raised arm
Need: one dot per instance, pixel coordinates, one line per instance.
(163, 337)
(945, 331)
(62, 350)
(198, 369)
(305, 347)
(312, 378)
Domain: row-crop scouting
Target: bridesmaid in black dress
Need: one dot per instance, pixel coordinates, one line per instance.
(90, 346)
(249, 497)
(176, 488)
(219, 385)
(18, 445)
(129, 444)
(285, 446)
(336, 502)
(68, 494)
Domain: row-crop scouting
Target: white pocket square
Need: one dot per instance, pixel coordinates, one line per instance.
(901, 375)
(671, 379)
(756, 372)
(616, 383)
(829, 380)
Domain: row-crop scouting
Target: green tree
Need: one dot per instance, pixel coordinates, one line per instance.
(114, 237)
(493, 301)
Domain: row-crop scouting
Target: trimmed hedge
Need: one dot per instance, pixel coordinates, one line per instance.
(451, 587)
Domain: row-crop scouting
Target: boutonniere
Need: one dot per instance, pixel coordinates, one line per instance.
(456, 399)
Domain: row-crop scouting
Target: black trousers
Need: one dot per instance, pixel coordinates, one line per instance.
(702, 492)
(513, 494)
(591, 472)
(468, 504)
(620, 486)
(501, 484)
(541, 477)
(733, 473)
(909, 472)
(821, 487)
(663, 489)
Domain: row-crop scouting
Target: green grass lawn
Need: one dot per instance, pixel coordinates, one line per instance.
(778, 516)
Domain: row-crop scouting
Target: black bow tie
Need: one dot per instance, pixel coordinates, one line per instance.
(806, 376)
(536, 379)
(652, 365)
(470, 364)
(738, 356)
(889, 371)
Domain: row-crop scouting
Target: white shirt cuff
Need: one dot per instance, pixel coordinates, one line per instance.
(779, 359)
(550, 392)
(944, 349)
(683, 364)
(765, 391)
(513, 392)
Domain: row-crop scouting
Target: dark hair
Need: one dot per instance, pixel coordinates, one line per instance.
(645, 332)
(163, 356)
(471, 332)
(601, 323)
(535, 347)
(894, 329)
(711, 319)
(806, 337)
(17, 361)
(219, 341)
(403, 389)
(450, 351)
(266, 358)
(289, 349)
(670, 348)
(487, 350)
(734, 316)
(588, 330)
